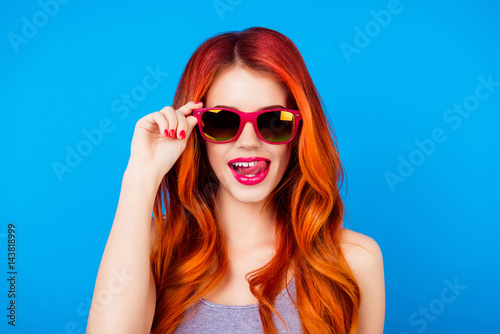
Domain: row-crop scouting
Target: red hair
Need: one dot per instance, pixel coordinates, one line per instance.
(307, 202)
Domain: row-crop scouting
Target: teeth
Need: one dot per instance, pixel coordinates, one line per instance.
(244, 164)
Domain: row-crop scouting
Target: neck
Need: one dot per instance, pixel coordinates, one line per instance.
(244, 225)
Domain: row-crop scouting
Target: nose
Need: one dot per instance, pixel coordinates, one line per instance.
(248, 137)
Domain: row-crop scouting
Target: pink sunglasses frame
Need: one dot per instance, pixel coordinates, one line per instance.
(247, 117)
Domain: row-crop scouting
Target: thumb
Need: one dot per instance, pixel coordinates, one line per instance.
(192, 122)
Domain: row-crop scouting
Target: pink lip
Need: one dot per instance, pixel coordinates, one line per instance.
(249, 180)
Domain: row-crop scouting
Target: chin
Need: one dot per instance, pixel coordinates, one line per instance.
(250, 196)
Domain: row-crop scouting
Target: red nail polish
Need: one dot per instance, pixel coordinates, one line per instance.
(172, 133)
(165, 133)
(182, 134)
(197, 102)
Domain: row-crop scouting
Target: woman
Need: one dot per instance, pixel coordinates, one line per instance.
(246, 235)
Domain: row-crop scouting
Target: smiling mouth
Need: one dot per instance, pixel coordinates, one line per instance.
(250, 169)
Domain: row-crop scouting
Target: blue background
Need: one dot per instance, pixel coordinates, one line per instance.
(436, 225)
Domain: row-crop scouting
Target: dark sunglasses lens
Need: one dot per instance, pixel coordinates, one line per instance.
(276, 126)
(220, 125)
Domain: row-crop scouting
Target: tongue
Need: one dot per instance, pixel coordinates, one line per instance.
(259, 167)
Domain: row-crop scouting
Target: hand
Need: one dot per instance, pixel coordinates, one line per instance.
(153, 149)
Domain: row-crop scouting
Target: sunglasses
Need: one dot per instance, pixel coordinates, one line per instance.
(223, 125)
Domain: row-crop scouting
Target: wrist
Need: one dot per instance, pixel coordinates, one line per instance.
(142, 178)
(145, 172)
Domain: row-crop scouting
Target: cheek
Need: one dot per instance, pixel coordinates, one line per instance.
(287, 154)
(215, 154)
(284, 155)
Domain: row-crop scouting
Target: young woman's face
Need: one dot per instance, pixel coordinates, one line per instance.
(247, 91)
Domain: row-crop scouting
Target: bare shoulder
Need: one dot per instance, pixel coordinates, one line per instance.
(361, 251)
(364, 257)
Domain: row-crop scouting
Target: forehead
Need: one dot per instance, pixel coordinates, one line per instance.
(245, 89)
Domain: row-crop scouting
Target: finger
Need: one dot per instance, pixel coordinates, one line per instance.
(171, 116)
(162, 123)
(192, 122)
(190, 106)
(182, 126)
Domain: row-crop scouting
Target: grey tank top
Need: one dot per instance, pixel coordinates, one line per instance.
(210, 318)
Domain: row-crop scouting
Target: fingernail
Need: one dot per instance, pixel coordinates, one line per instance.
(197, 102)
(172, 133)
(165, 133)
(182, 134)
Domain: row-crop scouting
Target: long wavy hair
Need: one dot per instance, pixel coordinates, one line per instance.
(191, 257)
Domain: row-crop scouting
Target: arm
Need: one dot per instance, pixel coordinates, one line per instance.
(125, 293)
(365, 259)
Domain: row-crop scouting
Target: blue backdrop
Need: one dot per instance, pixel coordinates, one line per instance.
(412, 89)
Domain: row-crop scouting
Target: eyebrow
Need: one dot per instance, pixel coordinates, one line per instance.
(274, 106)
